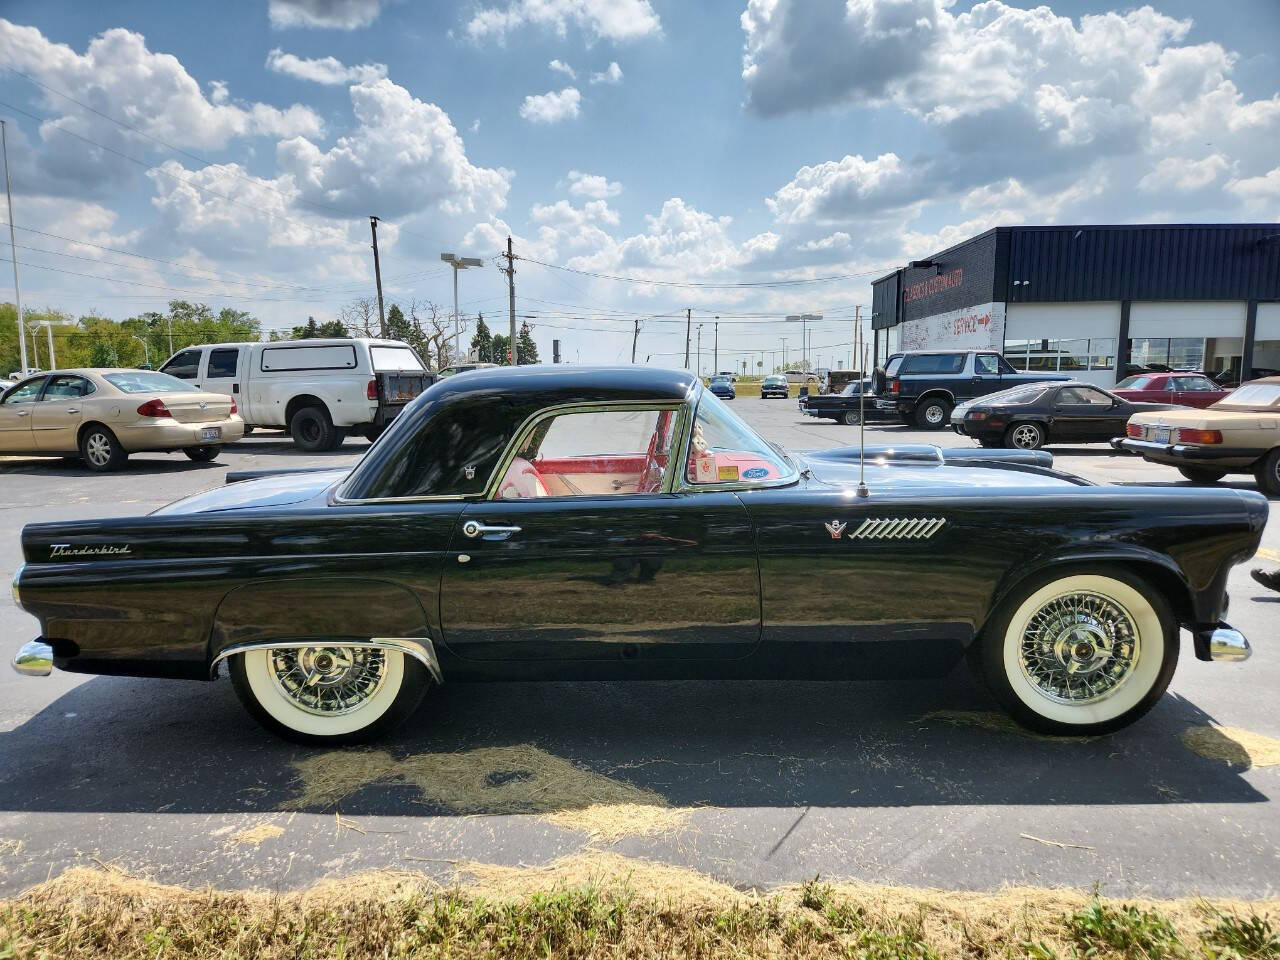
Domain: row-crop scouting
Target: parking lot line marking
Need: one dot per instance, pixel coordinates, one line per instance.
(1268, 554)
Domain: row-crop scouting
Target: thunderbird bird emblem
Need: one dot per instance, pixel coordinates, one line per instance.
(204, 404)
(469, 472)
(835, 528)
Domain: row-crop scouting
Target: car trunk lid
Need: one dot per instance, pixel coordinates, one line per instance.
(197, 407)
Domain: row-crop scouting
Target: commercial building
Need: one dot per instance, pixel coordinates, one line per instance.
(1092, 300)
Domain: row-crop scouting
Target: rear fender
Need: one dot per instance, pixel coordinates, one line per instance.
(319, 608)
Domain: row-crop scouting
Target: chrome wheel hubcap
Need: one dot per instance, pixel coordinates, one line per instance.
(328, 681)
(98, 448)
(1079, 648)
(1026, 436)
(933, 414)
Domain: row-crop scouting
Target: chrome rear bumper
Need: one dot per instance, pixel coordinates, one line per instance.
(1222, 643)
(34, 659)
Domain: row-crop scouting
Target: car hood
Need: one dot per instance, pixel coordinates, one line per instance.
(954, 471)
(271, 491)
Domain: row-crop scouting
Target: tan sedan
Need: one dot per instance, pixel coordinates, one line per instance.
(1238, 434)
(103, 415)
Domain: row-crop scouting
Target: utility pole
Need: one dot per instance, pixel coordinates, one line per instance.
(53, 360)
(716, 356)
(510, 271)
(634, 337)
(784, 353)
(13, 249)
(699, 349)
(857, 334)
(688, 322)
(377, 276)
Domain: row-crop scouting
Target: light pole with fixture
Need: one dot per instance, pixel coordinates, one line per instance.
(146, 351)
(804, 319)
(459, 263)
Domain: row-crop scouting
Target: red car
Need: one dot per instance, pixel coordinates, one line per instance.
(1184, 389)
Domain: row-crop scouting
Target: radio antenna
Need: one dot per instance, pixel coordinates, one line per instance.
(862, 410)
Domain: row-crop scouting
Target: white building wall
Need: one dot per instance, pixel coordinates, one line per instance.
(1195, 318)
(1266, 339)
(1097, 322)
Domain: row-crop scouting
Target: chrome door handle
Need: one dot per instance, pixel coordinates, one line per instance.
(24, 413)
(73, 409)
(473, 529)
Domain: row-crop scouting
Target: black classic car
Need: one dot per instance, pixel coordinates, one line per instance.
(582, 523)
(847, 406)
(1029, 416)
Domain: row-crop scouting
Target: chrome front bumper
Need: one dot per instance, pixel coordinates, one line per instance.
(1222, 643)
(34, 659)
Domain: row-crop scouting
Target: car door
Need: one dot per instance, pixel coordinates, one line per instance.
(220, 371)
(986, 375)
(15, 415)
(586, 552)
(56, 419)
(1194, 391)
(1082, 414)
(185, 365)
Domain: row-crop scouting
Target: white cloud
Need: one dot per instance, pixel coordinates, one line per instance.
(552, 107)
(1261, 192)
(331, 14)
(592, 185)
(842, 190)
(611, 74)
(835, 241)
(598, 19)
(403, 155)
(326, 70)
(1179, 173)
(559, 66)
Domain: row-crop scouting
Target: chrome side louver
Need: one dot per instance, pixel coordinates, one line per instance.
(912, 528)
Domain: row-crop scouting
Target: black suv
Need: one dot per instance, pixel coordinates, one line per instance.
(923, 386)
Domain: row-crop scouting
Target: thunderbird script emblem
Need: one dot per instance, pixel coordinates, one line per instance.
(835, 528)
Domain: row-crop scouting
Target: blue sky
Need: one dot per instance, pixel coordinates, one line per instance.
(753, 142)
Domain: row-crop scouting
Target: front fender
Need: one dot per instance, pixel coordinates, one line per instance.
(354, 608)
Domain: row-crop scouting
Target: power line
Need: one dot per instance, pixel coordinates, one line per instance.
(704, 285)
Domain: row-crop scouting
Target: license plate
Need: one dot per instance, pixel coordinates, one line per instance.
(1161, 434)
(211, 433)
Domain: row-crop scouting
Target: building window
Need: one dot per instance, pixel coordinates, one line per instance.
(1172, 353)
(1053, 356)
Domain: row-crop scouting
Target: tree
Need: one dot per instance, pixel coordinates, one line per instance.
(308, 331)
(526, 349)
(433, 334)
(360, 316)
(499, 349)
(482, 342)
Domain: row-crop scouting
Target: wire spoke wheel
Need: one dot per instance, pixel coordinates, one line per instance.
(328, 681)
(1079, 648)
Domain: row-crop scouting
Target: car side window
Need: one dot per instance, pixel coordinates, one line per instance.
(592, 453)
(185, 366)
(1194, 384)
(1083, 396)
(987, 364)
(222, 363)
(723, 449)
(27, 392)
(67, 387)
(1006, 366)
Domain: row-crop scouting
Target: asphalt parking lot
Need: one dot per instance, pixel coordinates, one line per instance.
(755, 783)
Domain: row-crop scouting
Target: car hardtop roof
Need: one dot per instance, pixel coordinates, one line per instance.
(940, 350)
(565, 382)
(312, 342)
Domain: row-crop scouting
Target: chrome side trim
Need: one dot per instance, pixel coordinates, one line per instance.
(420, 648)
(894, 528)
(34, 659)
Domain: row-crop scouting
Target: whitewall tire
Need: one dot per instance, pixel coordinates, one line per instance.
(1080, 652)
(328, 694)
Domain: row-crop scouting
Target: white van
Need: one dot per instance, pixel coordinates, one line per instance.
(319, 390)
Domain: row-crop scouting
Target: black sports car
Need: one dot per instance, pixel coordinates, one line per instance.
(583, 523)
(847, 406)
(1029, 416)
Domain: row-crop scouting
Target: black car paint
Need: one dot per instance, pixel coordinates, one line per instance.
(953, 388)
(1062, 422)
(684, 584)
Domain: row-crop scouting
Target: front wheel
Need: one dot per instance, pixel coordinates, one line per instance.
(1079, 654)
(203, 454)
(851, 418)
(1202, 474)
(329, 694)
(1267, 473)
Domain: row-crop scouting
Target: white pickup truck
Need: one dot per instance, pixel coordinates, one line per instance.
(319, 390)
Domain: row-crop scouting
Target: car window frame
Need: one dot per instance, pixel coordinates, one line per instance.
(684, 486)
(531, 423)
(42, 377)
(207, 364)
(200, 362)
(44, 392)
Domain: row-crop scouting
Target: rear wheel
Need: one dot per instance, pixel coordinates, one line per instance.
(1267, 473)
(933, 413)
(329, 694)
(1202, 474)
(312, 430)
(100, 450)
(1025, 436)
(1080, 653)
(851, 418)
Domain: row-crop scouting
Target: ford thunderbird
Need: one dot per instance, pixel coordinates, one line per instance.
(578, 523)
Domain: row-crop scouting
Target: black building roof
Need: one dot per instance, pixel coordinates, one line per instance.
(1055, 264)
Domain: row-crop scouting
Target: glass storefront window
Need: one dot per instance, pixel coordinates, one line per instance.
(1176, 353)
(1052, 356)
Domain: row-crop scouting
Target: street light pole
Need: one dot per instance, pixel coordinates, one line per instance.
(146, 351)
(460, 263)
(699, 350)
(716, 356)
(13, 249)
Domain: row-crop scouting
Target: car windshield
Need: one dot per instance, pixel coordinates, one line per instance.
(891, 368)
(145, 381)
(1133, 383)
(723, 449)
(774, 381)
(721, 378)
(1253, 395)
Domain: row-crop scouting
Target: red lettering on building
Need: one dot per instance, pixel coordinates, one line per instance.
(927, 288)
